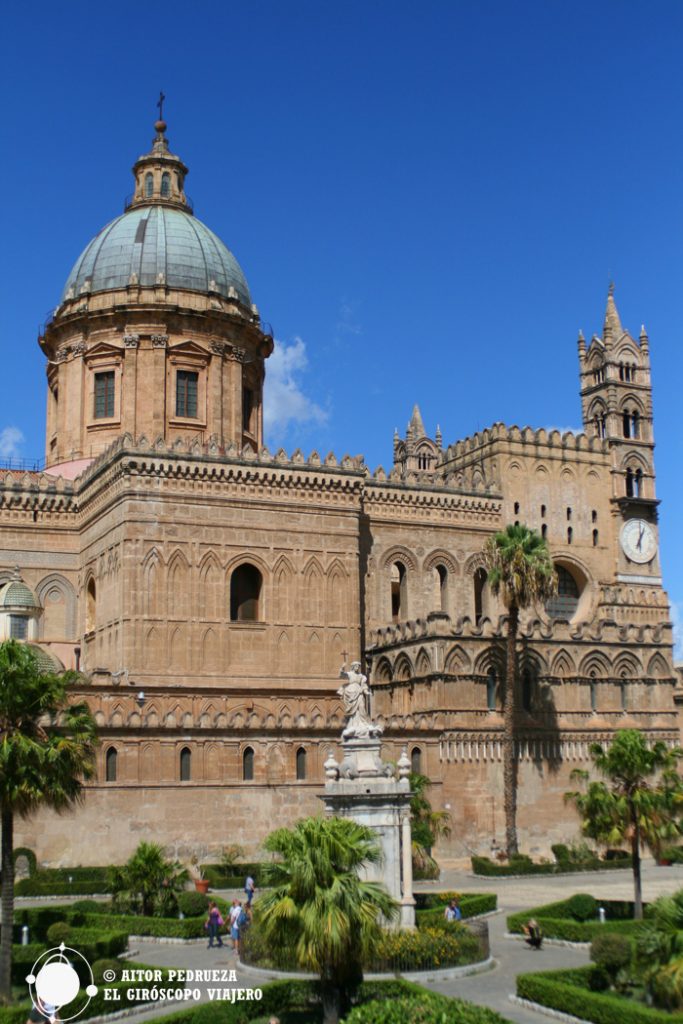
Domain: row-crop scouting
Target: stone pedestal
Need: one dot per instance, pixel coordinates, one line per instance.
(364, 789)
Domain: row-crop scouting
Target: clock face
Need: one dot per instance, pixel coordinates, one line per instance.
(638, 541)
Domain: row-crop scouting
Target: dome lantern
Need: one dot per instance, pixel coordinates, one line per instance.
(159, 175)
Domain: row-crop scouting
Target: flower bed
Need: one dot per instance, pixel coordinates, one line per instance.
(569, 992)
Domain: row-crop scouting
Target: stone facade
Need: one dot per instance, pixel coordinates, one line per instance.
(209, 589)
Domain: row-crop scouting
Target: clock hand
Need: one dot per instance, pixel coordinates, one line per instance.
(640, 537)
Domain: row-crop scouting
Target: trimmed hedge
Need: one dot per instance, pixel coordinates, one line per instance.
(568, 992)
(235, 877)
(471, 903)
(427, 1008)
(558, 921)
(524, 866)
(36, 887)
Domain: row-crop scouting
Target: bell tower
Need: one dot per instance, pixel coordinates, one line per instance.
(616, 405)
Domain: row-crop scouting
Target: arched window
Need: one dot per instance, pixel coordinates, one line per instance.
(595, 538)
(149, 184)
(600, 425)
(185, 764)
(569, 514)
(399, 604)
(441, 588)
(631, 423)
(480, 578)
(623, 694)
(245, 593)
(110, 760)
(570, 535)
(565, 602)
(634, 483)
(491, 691)
(166, 184)
(594, 692)
(91, 606)
(542, 511)
(516, 508)
(248, 764)
(300, 764)
(527, 690)
(416, 761)
(544, 531)
(594, 516)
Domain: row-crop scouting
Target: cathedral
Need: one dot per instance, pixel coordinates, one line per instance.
(209, 589)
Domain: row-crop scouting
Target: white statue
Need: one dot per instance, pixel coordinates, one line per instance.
(355, 694)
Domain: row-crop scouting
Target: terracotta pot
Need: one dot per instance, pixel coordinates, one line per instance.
(663, 863)
(201, 885)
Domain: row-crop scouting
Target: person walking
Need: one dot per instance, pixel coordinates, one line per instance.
(249, 889)
(214, 922)
(235, 912)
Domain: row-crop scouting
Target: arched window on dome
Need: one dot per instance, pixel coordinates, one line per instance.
(149, 185)
(165, 184)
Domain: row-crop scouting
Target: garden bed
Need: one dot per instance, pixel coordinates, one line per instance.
(569, 992)
(560, 921)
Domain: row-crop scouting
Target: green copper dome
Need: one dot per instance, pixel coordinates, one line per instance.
(15, 594)
(155, 244)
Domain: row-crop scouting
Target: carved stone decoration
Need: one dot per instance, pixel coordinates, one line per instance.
(218, 347)
(79, 348)
(159, 340)
(131, 340)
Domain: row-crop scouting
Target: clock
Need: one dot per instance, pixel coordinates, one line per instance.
(638, 541)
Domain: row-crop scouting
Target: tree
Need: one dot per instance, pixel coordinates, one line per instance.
(426, 826)
(659, 946)
(319, 906)
(520, 569)
(640, 802)
(47, 749)
(147, 883)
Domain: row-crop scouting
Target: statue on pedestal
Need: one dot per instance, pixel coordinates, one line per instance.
(355, 695)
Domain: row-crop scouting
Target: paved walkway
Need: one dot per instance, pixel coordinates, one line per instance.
(512, 956)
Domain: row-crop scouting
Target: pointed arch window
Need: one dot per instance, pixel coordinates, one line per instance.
(593, 692)
(186, 765)
(441, 588)
(149, 185)
(480, 578)
(301, 764)
(491, 691)
(600, 425)
(634, 483)
(91, 606)
(416, 761)
(527, 690)
(165, 184)
(246, 583)
(565, 602)
(399, 603)
(111, 764)
(248, 764)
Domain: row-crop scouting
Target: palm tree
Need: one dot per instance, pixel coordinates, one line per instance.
(426, 826)
(641, 801)
(47, 747)
(520, 569)
(320, 908)
(148, 882)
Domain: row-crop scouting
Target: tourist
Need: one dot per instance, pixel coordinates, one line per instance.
(453, 911)
(533, 933)
(249, 889)
(214, 923)
(235, 912)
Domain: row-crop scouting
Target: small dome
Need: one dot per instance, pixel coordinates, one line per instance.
(152, 245)
(46, 660)
(15, 594)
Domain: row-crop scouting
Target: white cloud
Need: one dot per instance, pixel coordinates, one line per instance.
(11, 440)
(677, 619)
(285, 402)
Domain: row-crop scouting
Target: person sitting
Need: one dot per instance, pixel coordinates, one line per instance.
(533, 933)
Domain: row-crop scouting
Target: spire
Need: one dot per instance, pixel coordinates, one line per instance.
(416, 424)
(612, 327)
(159, 175)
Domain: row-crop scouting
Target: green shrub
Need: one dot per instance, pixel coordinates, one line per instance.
(58, 932)
(37, 887)
(621, 855)
(560, 852)
(611, 951)
(570, 992)
(106, 964)
(426, 1008)
(582, 906)
(471, 903)
(87, 906)
(193, 904)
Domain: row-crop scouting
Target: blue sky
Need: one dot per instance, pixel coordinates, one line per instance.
(428, 200)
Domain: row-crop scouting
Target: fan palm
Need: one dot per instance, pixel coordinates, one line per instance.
(47, 747)
(320, 908)
(520, 569)
(148, 882)
(640, 801)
